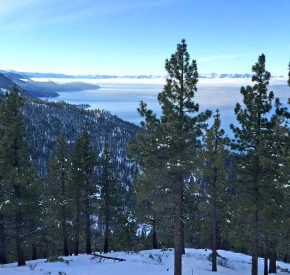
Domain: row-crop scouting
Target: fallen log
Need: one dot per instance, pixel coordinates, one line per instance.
(101, 257)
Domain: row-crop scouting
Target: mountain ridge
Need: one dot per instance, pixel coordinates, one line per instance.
(40, 88)
(103, 76)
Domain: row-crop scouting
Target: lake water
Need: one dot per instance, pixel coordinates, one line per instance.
(122, 97)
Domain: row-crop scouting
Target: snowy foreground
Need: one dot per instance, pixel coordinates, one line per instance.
(149, 262)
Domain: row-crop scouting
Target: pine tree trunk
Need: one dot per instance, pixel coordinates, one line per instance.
(256, 218)
(3, 259)
(77, 229)
(265, 264)
(64, 235)
(178, 247)
(19, 249)
(182, 235)
(266, 256)
(214, 223)
(18, 229)
(33, 252)
(63, 216)
(107, 217)
(46, 248)
(255, 255)
(214, 257)
(106, 241)
(220, 240)
(88, 226)
(255, 246)
(273, 259)
(154, 235)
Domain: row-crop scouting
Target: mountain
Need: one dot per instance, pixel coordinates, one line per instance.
(67, 76)
(5, 82)
(215, 75)
(41, 89)
(35, 74)
(101, 76)
(97, 76)
(50, 88)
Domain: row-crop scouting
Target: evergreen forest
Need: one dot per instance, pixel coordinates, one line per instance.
(76, 181)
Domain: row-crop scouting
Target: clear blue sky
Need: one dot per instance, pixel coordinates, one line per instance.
(135, 36)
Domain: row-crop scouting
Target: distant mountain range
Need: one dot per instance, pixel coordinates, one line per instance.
(97, 76)
(49, 88)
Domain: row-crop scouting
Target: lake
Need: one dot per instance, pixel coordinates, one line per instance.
(122, 96)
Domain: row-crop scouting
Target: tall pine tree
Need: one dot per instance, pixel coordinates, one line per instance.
(153, 185)
(175, 134)
(110, 199)
(3, 189)
(212, 160)
(250, 144)
(83, 187)
(17, 179)
(58, 193)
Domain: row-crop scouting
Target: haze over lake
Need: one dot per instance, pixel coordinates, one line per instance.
(122, 96)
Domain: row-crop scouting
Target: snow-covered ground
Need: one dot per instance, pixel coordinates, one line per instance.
(149, 262)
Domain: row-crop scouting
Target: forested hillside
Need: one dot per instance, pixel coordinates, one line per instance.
(46, 121)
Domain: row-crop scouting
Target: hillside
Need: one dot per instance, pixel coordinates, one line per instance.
(46, 121)
(41, 89)
(5, 82)
(153, 262)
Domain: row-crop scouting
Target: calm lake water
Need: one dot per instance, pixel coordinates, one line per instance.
(123, 99)
(119, 99)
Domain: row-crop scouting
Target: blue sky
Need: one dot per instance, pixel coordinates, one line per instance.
(135, 36)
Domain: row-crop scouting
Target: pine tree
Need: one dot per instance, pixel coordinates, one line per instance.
(278, 224)
(76, 186)
(18, 175)
(273, 181)
(152, 186)
(89, 160)
(152, 189)
(212, 159)
(58, 196)
(175, 133)
(83, 162)
(110, 200)
(3, 193)
(249, 142)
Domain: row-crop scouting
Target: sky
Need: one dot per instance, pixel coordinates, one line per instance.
(128, 37)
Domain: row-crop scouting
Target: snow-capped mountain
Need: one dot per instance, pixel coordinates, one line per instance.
(99, 76)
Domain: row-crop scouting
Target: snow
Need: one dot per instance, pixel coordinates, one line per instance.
(153, 262)
(3, 91)
(144, 228)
